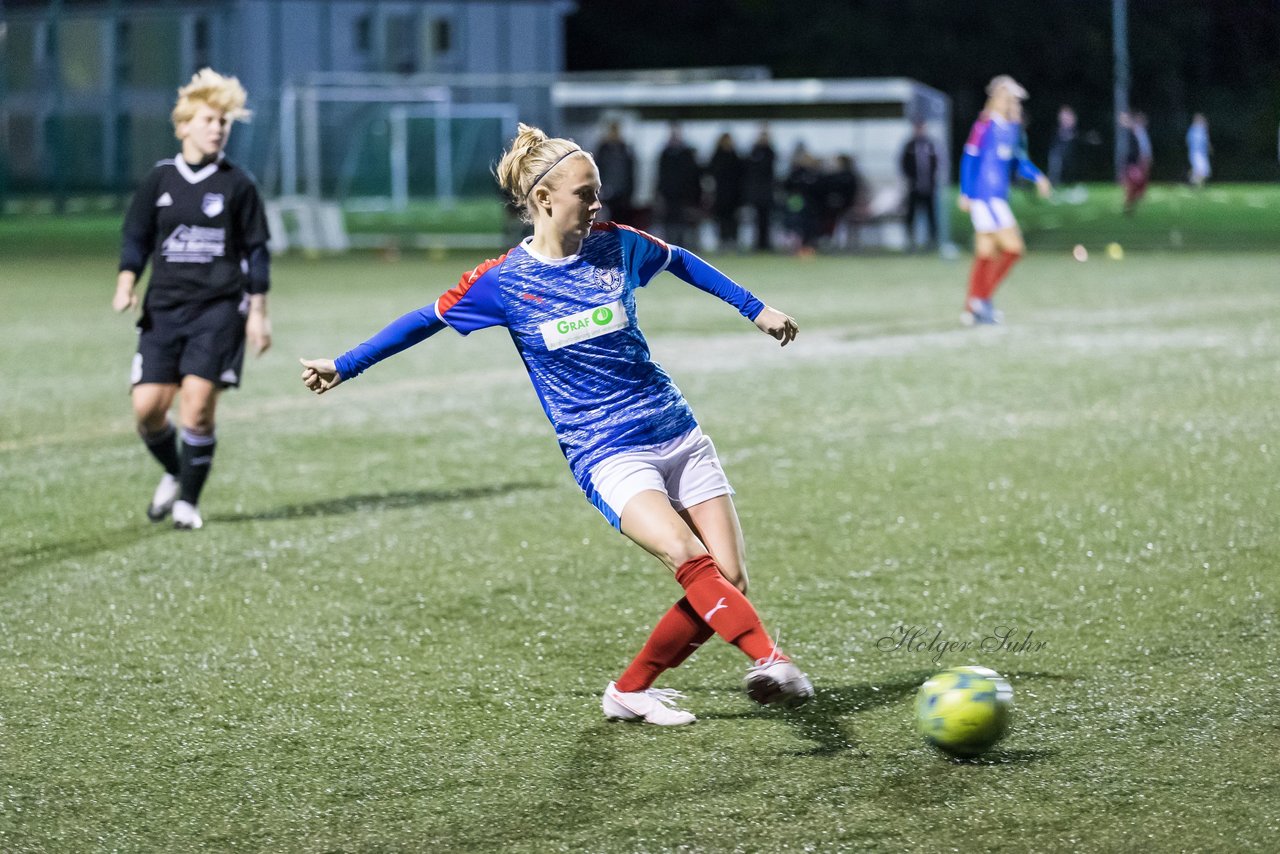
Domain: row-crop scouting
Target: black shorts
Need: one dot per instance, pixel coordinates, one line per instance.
(205, 340)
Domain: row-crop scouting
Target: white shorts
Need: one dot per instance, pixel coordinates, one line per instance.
(1200, 166)
(685, 468)
(990, 215)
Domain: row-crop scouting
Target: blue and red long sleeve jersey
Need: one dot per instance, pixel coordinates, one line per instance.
(993, 146)
(574, 323)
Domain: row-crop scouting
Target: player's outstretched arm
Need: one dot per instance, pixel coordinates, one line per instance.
(320, 375)
(781, 326)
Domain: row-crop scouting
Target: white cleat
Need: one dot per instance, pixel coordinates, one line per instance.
(652, 706)
(162, 501)
(186, 516)
(775, 680)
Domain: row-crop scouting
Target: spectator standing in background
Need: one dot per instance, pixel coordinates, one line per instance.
(919, 166)
(843, 195)
(1138, 159)
(1062, 151)
(618, 175)
(726, 171)
(759, 177)
(804, 192)
(1198, 149)
(679, 189)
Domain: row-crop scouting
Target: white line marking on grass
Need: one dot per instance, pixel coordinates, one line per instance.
(1112, 331)
(357, 393)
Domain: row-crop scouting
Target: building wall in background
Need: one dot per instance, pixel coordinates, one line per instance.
(86, 87)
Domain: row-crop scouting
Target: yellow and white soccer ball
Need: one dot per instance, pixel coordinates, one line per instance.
(964, 710)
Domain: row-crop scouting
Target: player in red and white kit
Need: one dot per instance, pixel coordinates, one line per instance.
(995, 144)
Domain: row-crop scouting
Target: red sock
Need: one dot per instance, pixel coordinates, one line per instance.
(978, 278)
(723, 607)
(999, 269)
(678, 634)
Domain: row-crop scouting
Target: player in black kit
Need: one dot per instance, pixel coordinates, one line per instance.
(203, 220)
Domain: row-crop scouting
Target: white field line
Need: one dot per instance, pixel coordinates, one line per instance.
(684, 355)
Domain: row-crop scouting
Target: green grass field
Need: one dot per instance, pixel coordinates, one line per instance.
(393, 631)
(1237, 217)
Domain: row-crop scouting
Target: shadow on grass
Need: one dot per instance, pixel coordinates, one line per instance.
(374, 503)
(1000, 756)
(820, 720)
(13, 559)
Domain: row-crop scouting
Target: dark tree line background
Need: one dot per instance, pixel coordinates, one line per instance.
(1221, 58)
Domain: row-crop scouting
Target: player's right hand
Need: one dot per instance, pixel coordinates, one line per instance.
(963, 203)
(319, 375)
(125, 298)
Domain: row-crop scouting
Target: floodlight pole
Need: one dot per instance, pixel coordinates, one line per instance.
(289, 141)
(1120, 47)
(398, 119)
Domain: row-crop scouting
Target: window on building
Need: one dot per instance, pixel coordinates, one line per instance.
(154, 52)
(23, 45)
(124, 37)
(402, 49)
(441, 36)
(202, 43)
(80, 54)
(363, 34)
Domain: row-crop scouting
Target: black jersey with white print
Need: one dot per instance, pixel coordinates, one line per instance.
(205, 230)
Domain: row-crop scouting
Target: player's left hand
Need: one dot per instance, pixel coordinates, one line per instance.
(1043, 187)
(778, 325)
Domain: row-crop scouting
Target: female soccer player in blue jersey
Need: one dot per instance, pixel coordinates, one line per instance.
(202, 219)
(994, 143)
(567, 294)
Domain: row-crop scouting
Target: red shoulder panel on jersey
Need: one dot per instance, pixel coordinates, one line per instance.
(978, 130)
(451, 296)
(617, 226)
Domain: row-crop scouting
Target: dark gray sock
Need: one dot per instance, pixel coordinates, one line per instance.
(164, 447)
(197, 458)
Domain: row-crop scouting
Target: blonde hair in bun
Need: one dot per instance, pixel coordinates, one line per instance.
(532, 157)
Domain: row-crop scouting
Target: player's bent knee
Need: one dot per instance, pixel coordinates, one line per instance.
(735, 576)
(681, 553)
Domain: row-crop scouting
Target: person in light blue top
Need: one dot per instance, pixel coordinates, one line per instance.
(567, 297)
(1198, 150)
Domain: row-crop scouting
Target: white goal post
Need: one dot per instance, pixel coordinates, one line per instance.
(305, 162)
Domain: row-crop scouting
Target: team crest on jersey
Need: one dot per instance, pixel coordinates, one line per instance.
(212, 204)
(1004, 152)
(608, 278)
(164, 201)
